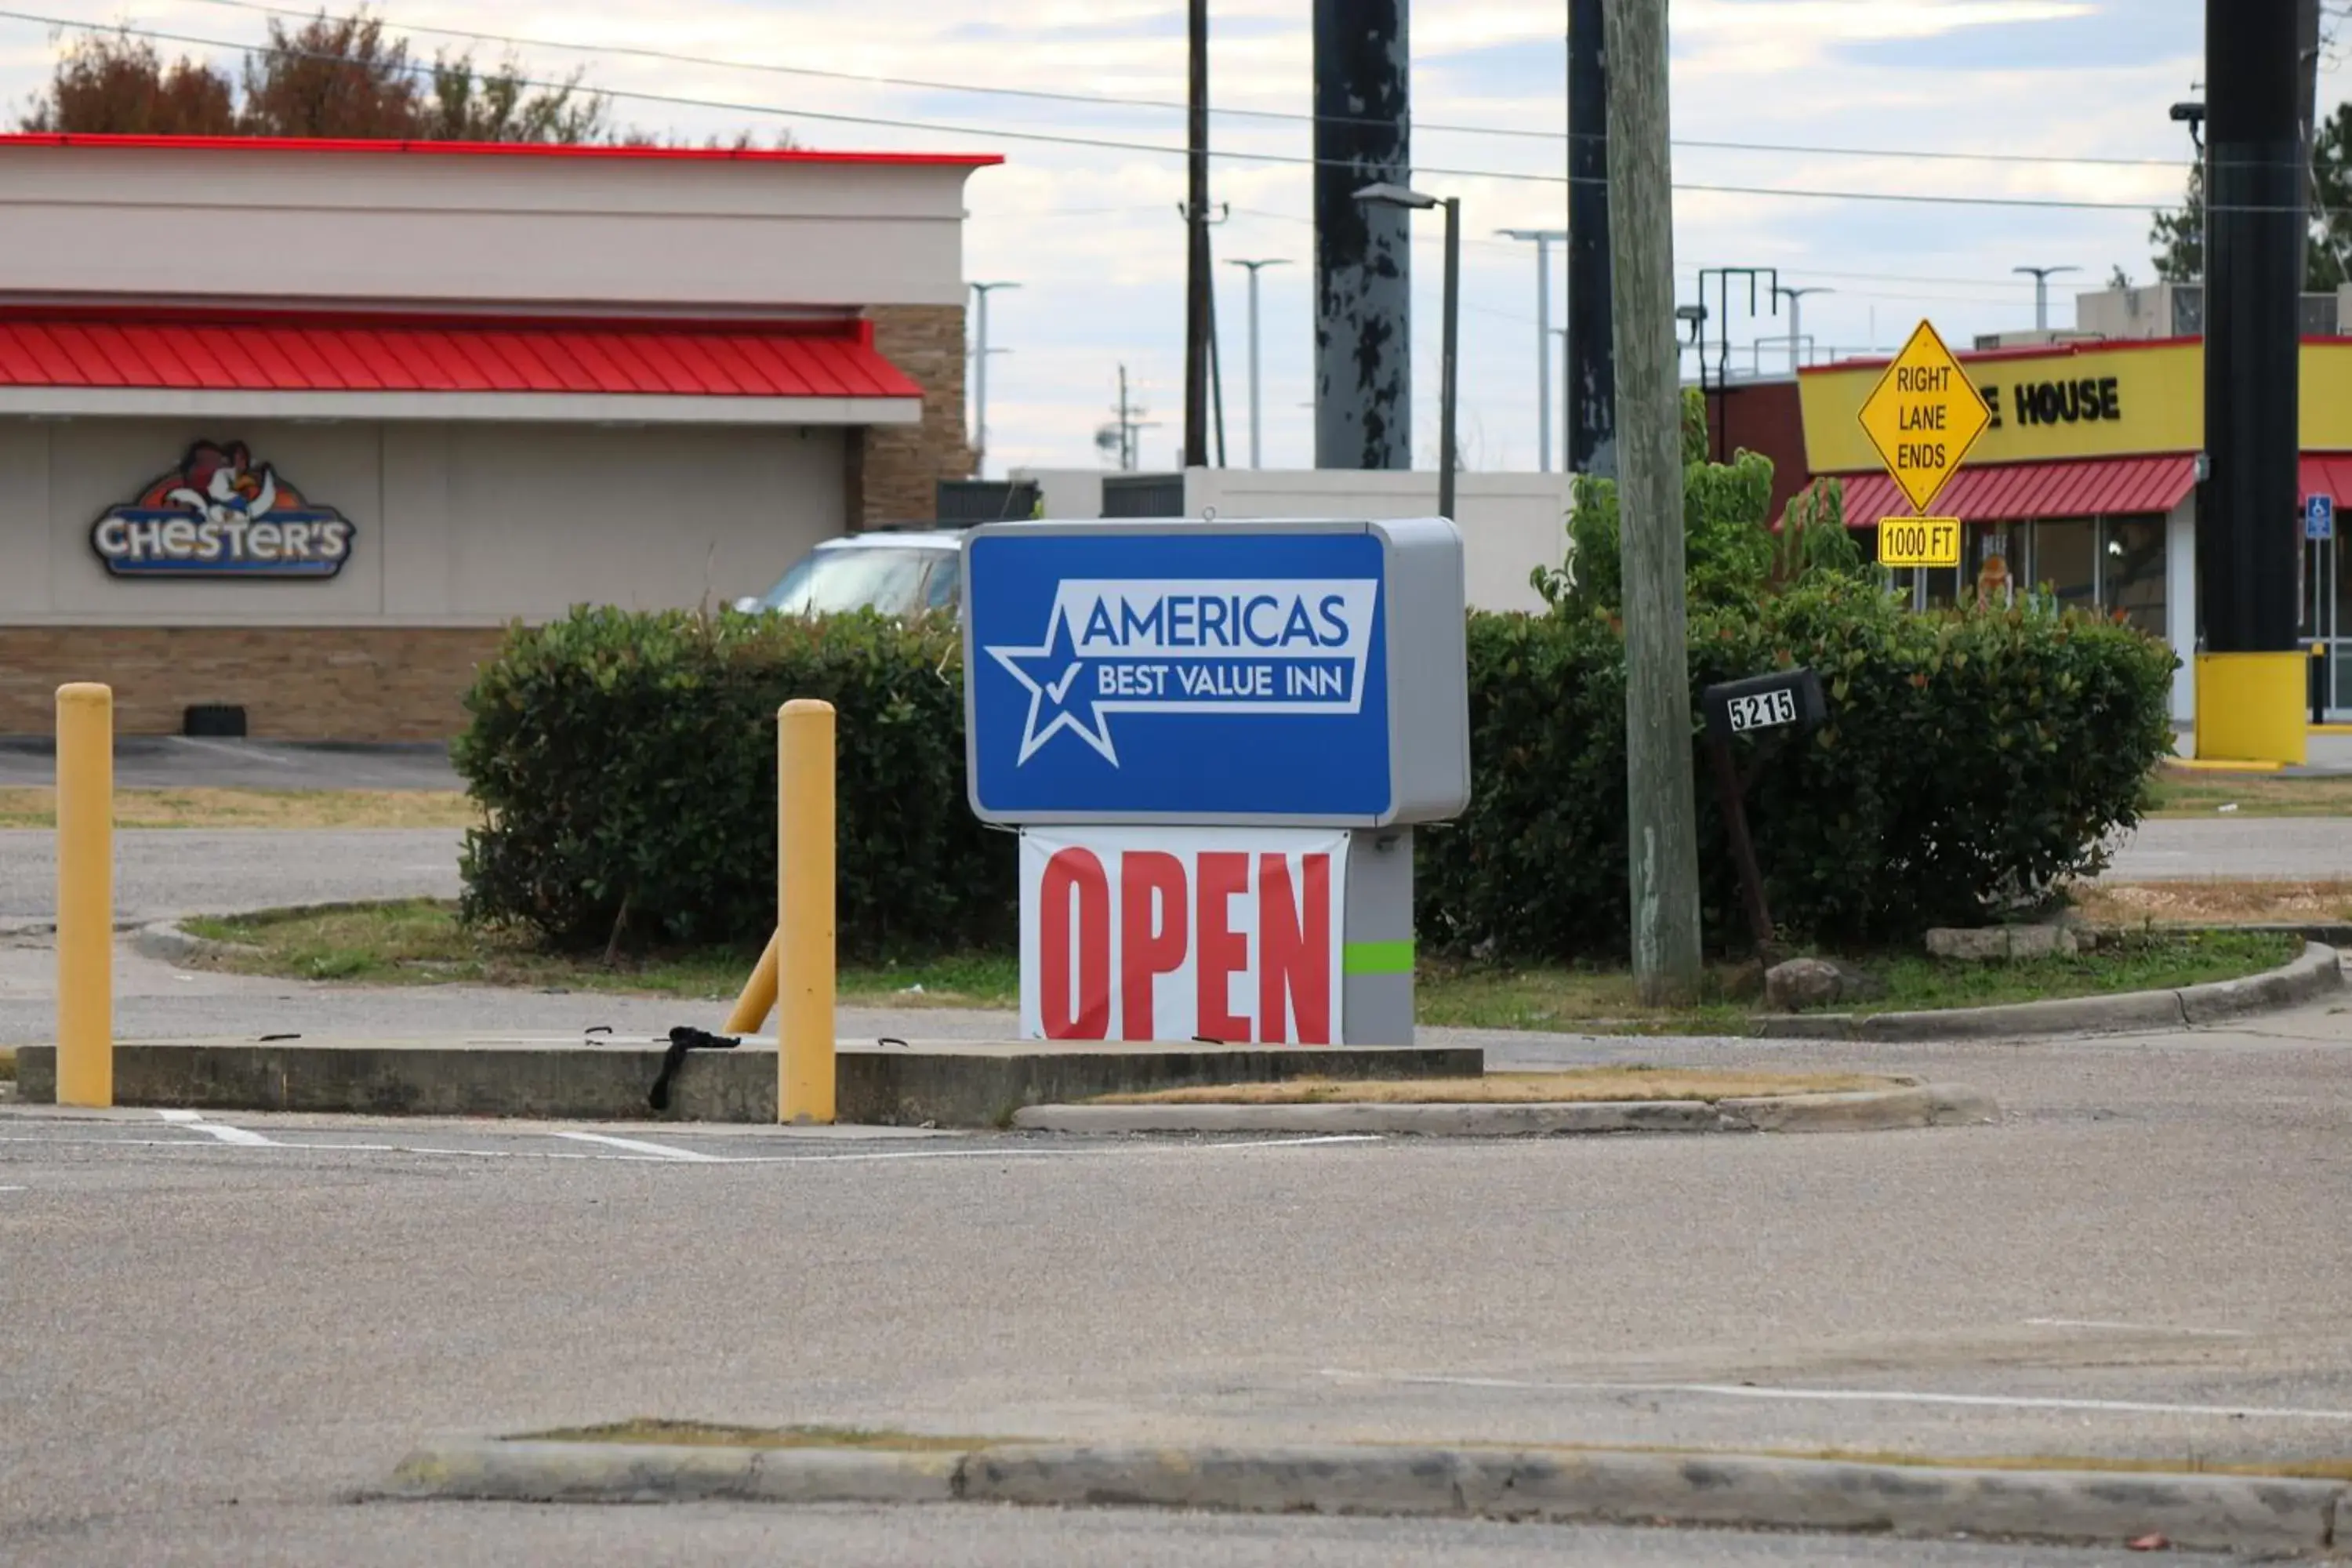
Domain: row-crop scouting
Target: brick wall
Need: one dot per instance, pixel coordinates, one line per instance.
(894, 467)
(296, 683)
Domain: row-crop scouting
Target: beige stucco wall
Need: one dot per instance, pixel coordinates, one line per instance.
(377, 228)
(457, 524)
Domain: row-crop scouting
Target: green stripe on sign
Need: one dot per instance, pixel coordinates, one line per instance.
(1377, 957)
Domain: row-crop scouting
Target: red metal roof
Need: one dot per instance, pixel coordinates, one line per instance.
(390, 353)
(487, 149)
(2098, 487)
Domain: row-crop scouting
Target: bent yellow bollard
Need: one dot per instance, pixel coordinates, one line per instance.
(804, 889)
(85, 895)
(759, 994)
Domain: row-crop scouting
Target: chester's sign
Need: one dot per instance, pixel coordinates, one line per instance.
(219, 514)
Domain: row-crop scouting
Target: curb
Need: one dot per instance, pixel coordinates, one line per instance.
(2235, 1513)
(2314, 973)
(166, 943)
(492, 1471)
(1919, 1105)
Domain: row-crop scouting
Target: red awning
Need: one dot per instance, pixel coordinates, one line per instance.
(2099, 486)
(2326, 474)
(390, 354)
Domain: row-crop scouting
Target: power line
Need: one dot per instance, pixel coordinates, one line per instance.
(1901, 198)
(1108, 100)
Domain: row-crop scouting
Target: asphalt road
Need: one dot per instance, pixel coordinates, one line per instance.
(2147, 1257)
(176, 761)
(163, 872)
(951, 1537)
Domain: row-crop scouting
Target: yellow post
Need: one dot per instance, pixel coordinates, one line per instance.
(804, 873)
(2252, 707)
(85, 895)
(758, 996)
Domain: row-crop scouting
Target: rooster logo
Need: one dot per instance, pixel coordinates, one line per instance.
(220, 485)
(221, 515)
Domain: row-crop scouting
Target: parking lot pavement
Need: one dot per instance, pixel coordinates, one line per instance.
(179, 761)
(154, 1000)
(430, 1535)
(2145, 1257)
(2293, 849)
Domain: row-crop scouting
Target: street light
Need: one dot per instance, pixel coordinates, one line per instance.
(980, 351)
(1795, 329)
(2041, 292)
(1254, 267)
(1394, 195)
(1543, 239)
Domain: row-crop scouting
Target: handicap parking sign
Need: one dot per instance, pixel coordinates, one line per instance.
(2319, 517)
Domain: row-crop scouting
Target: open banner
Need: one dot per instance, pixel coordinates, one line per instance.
(1231, 935)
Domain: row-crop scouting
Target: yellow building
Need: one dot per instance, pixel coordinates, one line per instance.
(2086, 484)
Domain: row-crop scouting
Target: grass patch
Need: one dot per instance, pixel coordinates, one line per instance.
(1496, 996)
(710, 1434)
(420, 941)
(2181, 792)
(37, 808)
(1577, 1085)
(2213, 902)
(7, 1064)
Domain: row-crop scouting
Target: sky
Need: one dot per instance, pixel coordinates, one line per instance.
(1092, 234)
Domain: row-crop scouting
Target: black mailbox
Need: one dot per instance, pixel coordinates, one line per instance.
(1785, 699)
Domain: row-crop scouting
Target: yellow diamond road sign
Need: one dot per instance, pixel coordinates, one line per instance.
(1923, 416)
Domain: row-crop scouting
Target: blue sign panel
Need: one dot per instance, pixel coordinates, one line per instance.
(2319, 517)
(1188, 673)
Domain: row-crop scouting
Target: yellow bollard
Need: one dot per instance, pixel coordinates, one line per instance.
(804, 873)
(85, 895)
(759, 994)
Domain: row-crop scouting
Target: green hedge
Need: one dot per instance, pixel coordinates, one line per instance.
(629, 761)
(1971, 760)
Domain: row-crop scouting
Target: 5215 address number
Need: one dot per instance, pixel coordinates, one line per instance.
(1919, 541)
(1764, 711)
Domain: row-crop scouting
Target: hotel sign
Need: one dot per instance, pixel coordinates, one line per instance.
(220, 514)
(1923, 416)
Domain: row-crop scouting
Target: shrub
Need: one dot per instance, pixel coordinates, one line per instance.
(628, 765)
(1970, 762)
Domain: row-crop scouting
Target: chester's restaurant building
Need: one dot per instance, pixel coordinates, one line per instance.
(299, 426)
(2086, 483)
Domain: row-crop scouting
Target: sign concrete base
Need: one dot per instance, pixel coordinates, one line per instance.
(957, 1083)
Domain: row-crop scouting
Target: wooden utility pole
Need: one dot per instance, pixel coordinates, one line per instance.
(1662, 833)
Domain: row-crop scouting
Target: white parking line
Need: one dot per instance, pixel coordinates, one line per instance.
(1862, 1396)
(2137, 1328)
(195, 1122)
(636, 1146)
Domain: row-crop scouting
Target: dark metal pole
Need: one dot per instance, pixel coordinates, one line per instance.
(2246, 540)
(1216, 376)
(1733, 801)
(1196, 271)
(1447, 386)
(1591, 363)
(1364, 273)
